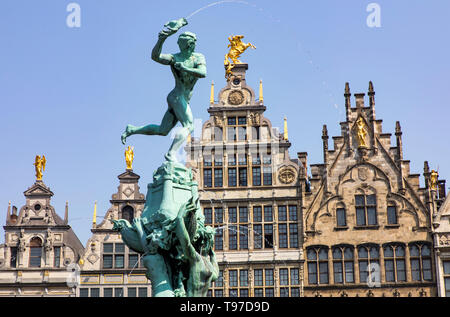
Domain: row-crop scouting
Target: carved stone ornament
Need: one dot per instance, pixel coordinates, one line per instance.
(362, 173)
(286, 175)
(93, 258)
(236, 98)
(255, 118)
(218, 121)
(128, 192)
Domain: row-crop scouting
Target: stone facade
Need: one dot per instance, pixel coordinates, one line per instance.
(441, 232)
(249, 191)
(39, 248)
(109, 268)
(367, 220)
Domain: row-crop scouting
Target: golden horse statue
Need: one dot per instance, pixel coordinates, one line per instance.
(237, 48)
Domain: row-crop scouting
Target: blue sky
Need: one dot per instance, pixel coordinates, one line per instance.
(68, 93)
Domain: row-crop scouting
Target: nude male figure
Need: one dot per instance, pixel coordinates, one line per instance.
(187, 67)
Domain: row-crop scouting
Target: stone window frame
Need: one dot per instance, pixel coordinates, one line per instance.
(126, 257)
(212, 166)
(396, 259)
(366, 193)
(370, 259)
(343, 262)
(290, 286)
(235, 228)
(340, 206)
(317, 261)
(421, 258)
(290, 224)
(32, 248)
(264, 223)
(390, 204)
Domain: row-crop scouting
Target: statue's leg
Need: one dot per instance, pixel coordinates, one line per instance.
(158, 275)
(168, 122)
(184, 115)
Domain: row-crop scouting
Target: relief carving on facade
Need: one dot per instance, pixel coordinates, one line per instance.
(236, 98)
(255, 118)
(287, 175)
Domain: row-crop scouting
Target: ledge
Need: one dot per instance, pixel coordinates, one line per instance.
(376, 227)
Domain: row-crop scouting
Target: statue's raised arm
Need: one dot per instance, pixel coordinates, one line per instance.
(170, 28)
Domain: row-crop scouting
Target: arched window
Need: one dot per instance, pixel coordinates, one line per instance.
(317, 265)
(128, 213)
(366, 210)
(369, 258)
(394, 263)
(420, 255)
(343, 265)
(35, 252)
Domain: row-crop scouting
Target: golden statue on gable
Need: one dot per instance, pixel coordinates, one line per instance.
(237, 48)
(39, 165)
(434, 180)
(361, 132)
(129, 157)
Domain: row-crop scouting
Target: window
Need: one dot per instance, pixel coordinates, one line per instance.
(218, 223)
(218, 134)
(317, 259)
(128, 213)
(394, 263)
(218, 177)
(142, 292)
(446, 265)
(262, 229)
(366, 210)
(108, 258)
(35, 252)
(239, 126)
(287, 227)
(233, 282)
(208, 216)
(118, 292)
(132, 292)
(420, 256)
(107, 292)
(207, 177)
(242, 176)
(267, 175)
(256, 133)
(232, 177)
(343, 265)
(13, 261)
(341, 217)
(95, 292)
(289, 278)
(392, 215)
(368, 257)
(84, 292)
(256, 175)
(119, 256)
(57, 256)
(217, 286)
(133, 260)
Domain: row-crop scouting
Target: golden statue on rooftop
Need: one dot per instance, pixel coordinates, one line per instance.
(39, 165)
(434, 179)
(361, 132)
(129, 157)
(237, 47)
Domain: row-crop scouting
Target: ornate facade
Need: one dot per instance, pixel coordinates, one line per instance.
(249, 191)
(109, 268)
(39, 248)
(367, 220)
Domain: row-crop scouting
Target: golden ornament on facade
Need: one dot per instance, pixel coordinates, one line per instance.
(39, 165)
(362, 133)
(129, 157)
(237, 47)
(434, 179)
(236, 98)
(286, 176)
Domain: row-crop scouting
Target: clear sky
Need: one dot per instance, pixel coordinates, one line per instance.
(68, 93)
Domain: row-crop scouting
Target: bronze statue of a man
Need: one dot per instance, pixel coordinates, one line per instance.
(187, 67)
